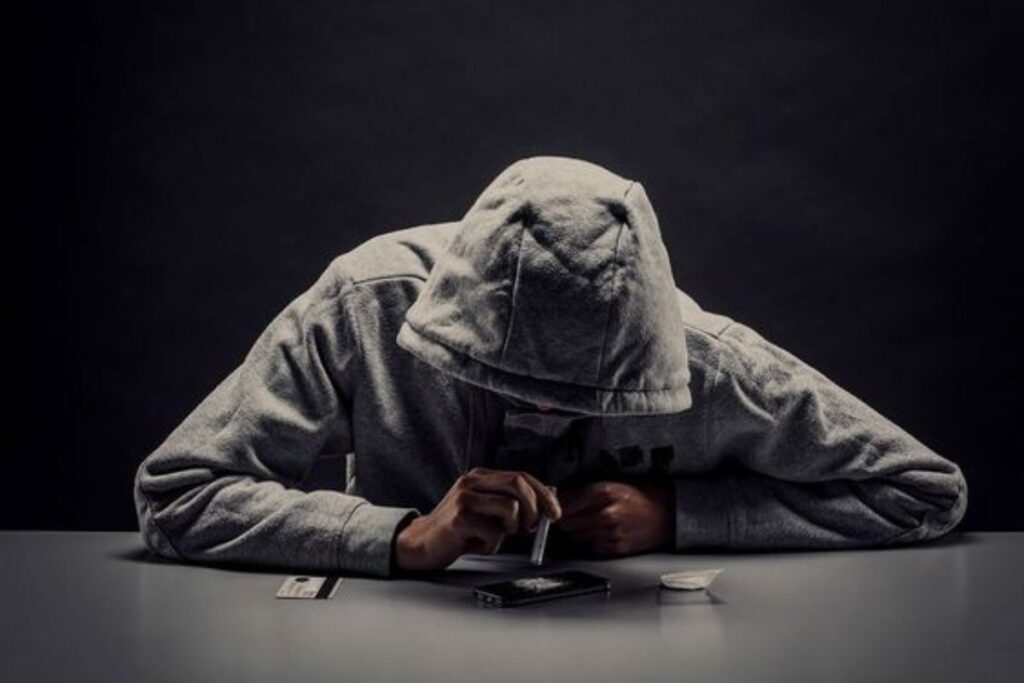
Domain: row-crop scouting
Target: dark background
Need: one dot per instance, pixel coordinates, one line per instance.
(840, 176)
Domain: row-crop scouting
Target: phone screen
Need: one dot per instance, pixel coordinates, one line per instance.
(542, 587)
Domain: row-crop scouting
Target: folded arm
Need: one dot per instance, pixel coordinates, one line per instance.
(221, 487)
(807, 464)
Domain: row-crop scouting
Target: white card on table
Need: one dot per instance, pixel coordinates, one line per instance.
(309, 587)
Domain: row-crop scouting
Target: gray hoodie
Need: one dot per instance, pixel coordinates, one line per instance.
(555, 288)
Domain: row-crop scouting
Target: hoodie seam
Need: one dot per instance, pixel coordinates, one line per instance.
(471, 435)
(393, 276)
(710, 399)
(512, 302)
(730, 512)
(608, 313)
(355, 335)
(464, 353)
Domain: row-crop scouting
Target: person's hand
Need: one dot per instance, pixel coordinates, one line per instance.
(616, 518)
(480, 509)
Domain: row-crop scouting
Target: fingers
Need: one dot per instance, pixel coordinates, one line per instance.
(500, 508)
(515, 488)
(481, 534)
(548, 500)
(593, 518)
(534, 498)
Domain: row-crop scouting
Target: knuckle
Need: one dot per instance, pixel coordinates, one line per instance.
(522, 485)
(522, 482)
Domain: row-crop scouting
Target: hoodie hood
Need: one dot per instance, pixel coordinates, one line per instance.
(557, 289)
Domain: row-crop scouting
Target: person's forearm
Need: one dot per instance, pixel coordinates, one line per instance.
(235, 519)
(810, 464)
(749, 510)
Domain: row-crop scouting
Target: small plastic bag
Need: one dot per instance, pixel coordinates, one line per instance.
(691, 580)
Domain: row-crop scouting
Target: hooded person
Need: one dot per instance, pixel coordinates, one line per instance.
(430, 351)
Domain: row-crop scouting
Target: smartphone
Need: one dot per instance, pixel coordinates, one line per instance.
(542, 587)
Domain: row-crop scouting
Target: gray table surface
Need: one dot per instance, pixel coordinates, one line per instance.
(95, 607)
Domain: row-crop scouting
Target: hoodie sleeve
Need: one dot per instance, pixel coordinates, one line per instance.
(220, 488)
(807, 464)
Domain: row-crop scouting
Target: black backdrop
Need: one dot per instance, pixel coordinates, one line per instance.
(840, 176)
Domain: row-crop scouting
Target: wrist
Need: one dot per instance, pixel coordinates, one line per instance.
(399, 544)
(410, 549)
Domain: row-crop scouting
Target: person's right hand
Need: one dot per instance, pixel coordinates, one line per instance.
(480, 509)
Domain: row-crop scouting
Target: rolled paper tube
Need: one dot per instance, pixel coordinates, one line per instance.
(540, 541)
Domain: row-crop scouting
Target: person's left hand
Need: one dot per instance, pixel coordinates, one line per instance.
(616, 518)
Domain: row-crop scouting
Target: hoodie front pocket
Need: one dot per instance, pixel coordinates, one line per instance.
(643, 445)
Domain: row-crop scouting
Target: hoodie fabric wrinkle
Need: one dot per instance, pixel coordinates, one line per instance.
(587, 305)
(424, 352)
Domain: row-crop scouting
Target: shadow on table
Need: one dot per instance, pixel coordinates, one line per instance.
(635, 591)
(141, 555)
(468, 575)
(634, 595)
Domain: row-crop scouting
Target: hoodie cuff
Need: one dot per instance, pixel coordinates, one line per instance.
(367, 540)
(703, 512)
